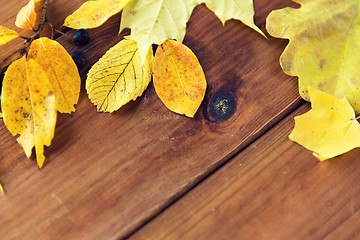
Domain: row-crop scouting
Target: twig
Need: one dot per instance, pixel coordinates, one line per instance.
(30, 39)
(41, 24)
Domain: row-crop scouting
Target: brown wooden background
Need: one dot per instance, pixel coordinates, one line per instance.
(144, 172)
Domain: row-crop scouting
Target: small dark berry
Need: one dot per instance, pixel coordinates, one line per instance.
(222, 106)
(154, 48)
(81, 37)
(79, 58)
(1, 84)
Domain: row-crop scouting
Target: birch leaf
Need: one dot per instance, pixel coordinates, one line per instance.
(60, 70)
(179, 80)
(93, 14)
(118, 77)
(6, 35)
(28, 106)
(29, 16)
(324, 46)
(329, 128)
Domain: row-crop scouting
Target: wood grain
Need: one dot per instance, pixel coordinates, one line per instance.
(107, 174)
(274, 189)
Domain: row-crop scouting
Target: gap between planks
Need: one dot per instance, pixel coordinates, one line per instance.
(254, 136)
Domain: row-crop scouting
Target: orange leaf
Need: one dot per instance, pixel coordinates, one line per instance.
(61, 71)
(178, 78)
(29, 16)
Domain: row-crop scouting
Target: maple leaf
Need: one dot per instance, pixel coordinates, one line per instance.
(6, 35)
(118, 77)
(324, 46)
(35, 87)
(92, 14)
(329, 128)
(179, 80)
(154, 21)
(29, 16)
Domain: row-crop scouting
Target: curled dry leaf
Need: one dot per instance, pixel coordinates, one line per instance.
(28, 105)
(118, 77)
(179, 80)
(324, 46)
(29, 16)
(6, 35)
(329, 128)
(92, 14)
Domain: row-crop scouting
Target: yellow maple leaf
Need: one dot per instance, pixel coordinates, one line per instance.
(29, 16)
(324, 46)
(179, 80)
(154, 21)
(329, 128)
(92, 14)
(118, 77)
(6, 35)
(61, 71)
(28, 105)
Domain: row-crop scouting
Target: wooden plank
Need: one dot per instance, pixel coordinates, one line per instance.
(107, 174)
(274, 189)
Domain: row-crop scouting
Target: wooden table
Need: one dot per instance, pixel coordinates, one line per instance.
(144, 172)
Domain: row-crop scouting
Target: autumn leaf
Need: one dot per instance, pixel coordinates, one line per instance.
(6, 35)
(154, 21)
(242, 10)
(35, 87)
(28, 105)
(324, 46)
(1, 189)
(178, 78)
(92, 14)
(61, 71)
(29, 16)
(329, 128)
(119, 76)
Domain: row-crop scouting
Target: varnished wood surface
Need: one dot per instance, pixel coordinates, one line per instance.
(108, 176)
(274, 189)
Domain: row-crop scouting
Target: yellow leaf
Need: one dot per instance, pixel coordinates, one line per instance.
(178, 78)
(324, 46)
(154, 21)
(92, 14)
(61, 71)
(1, 189)
(6, 35)
(329, 128)
(29, 16)
(242, 10)
(118, 77)
(28, 106)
